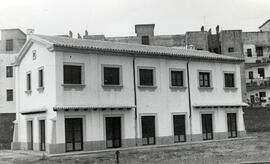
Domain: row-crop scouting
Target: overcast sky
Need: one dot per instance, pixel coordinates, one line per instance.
(118, 17)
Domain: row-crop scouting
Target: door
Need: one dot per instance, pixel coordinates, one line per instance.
(207, 127)
(42, 135)
(30, 134)
(74, 134)
(232, 126)
(261, 72)
(113, 132)
(179, 127)
(148, 130)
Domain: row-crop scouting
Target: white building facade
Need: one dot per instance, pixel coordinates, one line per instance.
(75, 94)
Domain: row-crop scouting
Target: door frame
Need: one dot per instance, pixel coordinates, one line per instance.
(45, 129)
(186, 123)
(82, 133)
(156, 124)
(213, 122)
(31, 146)
(122, 126)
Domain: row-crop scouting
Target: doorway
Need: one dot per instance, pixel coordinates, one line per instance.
(113, 132)
(42, 135)
(74, 134)
(30, 135)
(148, 130)
(207, 127)
(232, 126)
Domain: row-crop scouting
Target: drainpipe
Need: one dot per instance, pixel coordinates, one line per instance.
(189, 101)
(135, 102)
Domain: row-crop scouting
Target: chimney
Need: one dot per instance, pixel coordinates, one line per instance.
(144, 30)
(217, 29)
(70, 34)
(210, 31)
(202, 29)
(30, 31)
(86, 33)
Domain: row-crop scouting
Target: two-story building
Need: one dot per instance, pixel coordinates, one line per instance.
(79, 94)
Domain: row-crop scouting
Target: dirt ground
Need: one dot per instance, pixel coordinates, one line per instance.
(253, 150)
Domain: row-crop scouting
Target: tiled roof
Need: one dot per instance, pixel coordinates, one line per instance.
(135, 49)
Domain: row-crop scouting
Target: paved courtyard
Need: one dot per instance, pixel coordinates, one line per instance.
(251, 150)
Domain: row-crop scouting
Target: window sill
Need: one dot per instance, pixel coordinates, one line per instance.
(178, 87)
(40, 89)
(206, 88)
(28, 92)
(230, 88)
(112, 86)
(74, 85)
(147, 86)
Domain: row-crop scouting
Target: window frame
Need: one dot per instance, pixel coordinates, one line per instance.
(41, 69)
(28, 83)
(9, 45)
(7, 95)
(210, 79)
(7, 72)
(154, 77)
(120, 75)
(82, 73)
(183, 77)
(234, 79)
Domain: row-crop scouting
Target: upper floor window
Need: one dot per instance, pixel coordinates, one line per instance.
(28, 82)
(9, 94)
(111, 75)
(230, 49)
(177, 78)
(249, 52)
(72, 74)
(41, 78)
(145, 40)
(259, 51)
(146, 76)
(9, 71)
(9, 45)
(204, 79)
(229, 80)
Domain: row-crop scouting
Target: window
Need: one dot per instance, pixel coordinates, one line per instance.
(199, 49)
(28, 81)
(9, 45)
(261, 72)
(34, 54)
(249, 52)
(259, 51)
(230, 49)
(145, 40)
(250, 75)
(9, 94)
(72, 74)
(262, 96)
(40, 78)
(204, 79)
(146, 77)
(177, 79)
(229, 80)
(9, 71)
(111, 75)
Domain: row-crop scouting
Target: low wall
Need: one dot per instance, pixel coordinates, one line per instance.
(257, 119)
(6, 129)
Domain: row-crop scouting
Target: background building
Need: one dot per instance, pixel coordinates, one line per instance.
(11, 42)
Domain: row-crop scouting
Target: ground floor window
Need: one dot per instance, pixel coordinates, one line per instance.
(148, 130)
(42, 135)
(179, 128)
(207, 127)
(74, 134)
(232, 126)
(113, 132)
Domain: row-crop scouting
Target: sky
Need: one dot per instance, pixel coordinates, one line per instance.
(118, 17)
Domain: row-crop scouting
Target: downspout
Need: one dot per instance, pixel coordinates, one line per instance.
(135, 102)
(189, 101)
